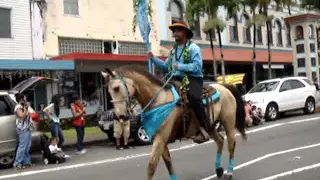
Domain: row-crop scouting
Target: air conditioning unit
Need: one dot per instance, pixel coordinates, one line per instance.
(115, 47)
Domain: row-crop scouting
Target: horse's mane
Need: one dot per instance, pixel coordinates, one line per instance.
(128, 70)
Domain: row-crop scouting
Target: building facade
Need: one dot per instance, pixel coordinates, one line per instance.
(95, 35)
(237, 39)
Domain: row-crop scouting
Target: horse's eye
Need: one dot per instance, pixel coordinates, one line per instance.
(116, 89)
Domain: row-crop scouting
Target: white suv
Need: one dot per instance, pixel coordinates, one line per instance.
(284, 94)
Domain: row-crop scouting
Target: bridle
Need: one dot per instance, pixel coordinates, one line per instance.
(129, 99)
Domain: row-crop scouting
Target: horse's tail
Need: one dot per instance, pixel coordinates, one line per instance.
(240, 113)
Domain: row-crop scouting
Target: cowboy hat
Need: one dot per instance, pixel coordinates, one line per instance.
(184, 25)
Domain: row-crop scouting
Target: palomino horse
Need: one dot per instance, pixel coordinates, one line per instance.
(128, 82)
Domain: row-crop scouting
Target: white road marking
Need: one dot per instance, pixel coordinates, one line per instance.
(292, 172)
(268, 156)
(124, 158)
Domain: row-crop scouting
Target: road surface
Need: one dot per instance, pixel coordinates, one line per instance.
(287, 149)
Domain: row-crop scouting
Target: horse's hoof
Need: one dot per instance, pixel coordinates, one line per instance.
(219, 172)
(228, 176)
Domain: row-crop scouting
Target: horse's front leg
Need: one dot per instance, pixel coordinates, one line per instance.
(167, 160)
(157, 150)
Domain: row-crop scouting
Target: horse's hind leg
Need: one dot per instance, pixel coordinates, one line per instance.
(167, 160)
(231, 146)
(157, 150)
(218, 138)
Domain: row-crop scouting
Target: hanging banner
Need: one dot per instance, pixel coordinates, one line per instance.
(144, 26)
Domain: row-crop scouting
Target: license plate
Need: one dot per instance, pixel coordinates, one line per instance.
(106, 125)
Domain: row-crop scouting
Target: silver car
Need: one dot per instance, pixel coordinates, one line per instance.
(8, 136)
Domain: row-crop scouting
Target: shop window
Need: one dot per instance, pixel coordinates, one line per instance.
(314, 76)
(233, 28)
(196, 28)
(67, 87)
(258, 34)
(90, 86)
(132, 48)
(313, 62)
(176, 11)
(310, 32)
(279, 33)
(301, 62)
(299, 32)
(300, 48)
(5, 23)
(71, 45)
(303, 74)
(246, 29)
(71, 7)
(288, 33)
(312, 48)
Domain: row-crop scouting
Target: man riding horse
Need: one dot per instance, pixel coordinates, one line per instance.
(185, 61)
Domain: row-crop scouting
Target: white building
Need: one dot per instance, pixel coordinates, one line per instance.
(15, 30)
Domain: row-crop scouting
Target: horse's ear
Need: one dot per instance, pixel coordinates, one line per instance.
(108, 74)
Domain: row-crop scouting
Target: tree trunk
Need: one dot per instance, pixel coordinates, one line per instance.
(222, 60)
(254, 74)
(289, 9)
(268, 24)
(269, 50)
(214, 64)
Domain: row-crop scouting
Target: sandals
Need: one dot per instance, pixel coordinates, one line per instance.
(20, 167)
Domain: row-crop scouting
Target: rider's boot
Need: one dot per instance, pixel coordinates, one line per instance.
(203, 135)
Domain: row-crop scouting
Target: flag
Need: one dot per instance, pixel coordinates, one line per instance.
(144, 26)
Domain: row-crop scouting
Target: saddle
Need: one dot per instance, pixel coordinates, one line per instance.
(209, 97)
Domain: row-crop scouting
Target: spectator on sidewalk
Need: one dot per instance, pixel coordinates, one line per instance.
(248, 118)
(121, 129)
(52, 112)
(23, 129)
(78, 112)
(55, 150)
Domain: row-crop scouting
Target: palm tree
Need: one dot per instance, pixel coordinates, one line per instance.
(263, 9)
(194, 8)
(253, 4)
(284, 3)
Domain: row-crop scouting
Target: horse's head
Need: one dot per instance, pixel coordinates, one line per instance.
(121, 91)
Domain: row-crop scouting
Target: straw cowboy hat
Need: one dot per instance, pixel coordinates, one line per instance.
(184, 25)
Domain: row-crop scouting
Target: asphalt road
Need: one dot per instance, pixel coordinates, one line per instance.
(287, 149)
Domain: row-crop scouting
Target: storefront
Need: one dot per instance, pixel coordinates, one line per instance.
(86, 80)
(13, 72)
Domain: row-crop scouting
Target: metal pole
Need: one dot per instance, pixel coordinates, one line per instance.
(214, 63)
(80, 86)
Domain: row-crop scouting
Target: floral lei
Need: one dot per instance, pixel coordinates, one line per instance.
(186, 60)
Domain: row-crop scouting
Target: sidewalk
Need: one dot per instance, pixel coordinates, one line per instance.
(92, 135)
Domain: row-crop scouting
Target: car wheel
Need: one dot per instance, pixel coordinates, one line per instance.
(141, 137)
(6, 161)
(310, 106)
(272, 112)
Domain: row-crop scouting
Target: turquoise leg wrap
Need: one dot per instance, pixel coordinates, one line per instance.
(173, 177)
(231, 165)
(218, 160)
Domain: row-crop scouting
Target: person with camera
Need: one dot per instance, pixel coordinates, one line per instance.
(23, 129)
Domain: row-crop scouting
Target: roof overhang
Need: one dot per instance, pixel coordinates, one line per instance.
(102, 57)
(13, 64)
(302, 18)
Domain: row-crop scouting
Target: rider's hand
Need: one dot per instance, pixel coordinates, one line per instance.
(150, 55)
(176, 66)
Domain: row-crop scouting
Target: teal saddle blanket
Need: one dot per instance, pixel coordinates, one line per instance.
(154, 118)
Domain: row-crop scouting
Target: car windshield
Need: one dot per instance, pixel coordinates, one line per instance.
(265, 87)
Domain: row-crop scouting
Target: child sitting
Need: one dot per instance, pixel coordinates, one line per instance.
(55, 151)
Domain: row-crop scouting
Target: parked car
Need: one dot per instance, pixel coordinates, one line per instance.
(137, 131)
(8, 136)
(283, 94)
